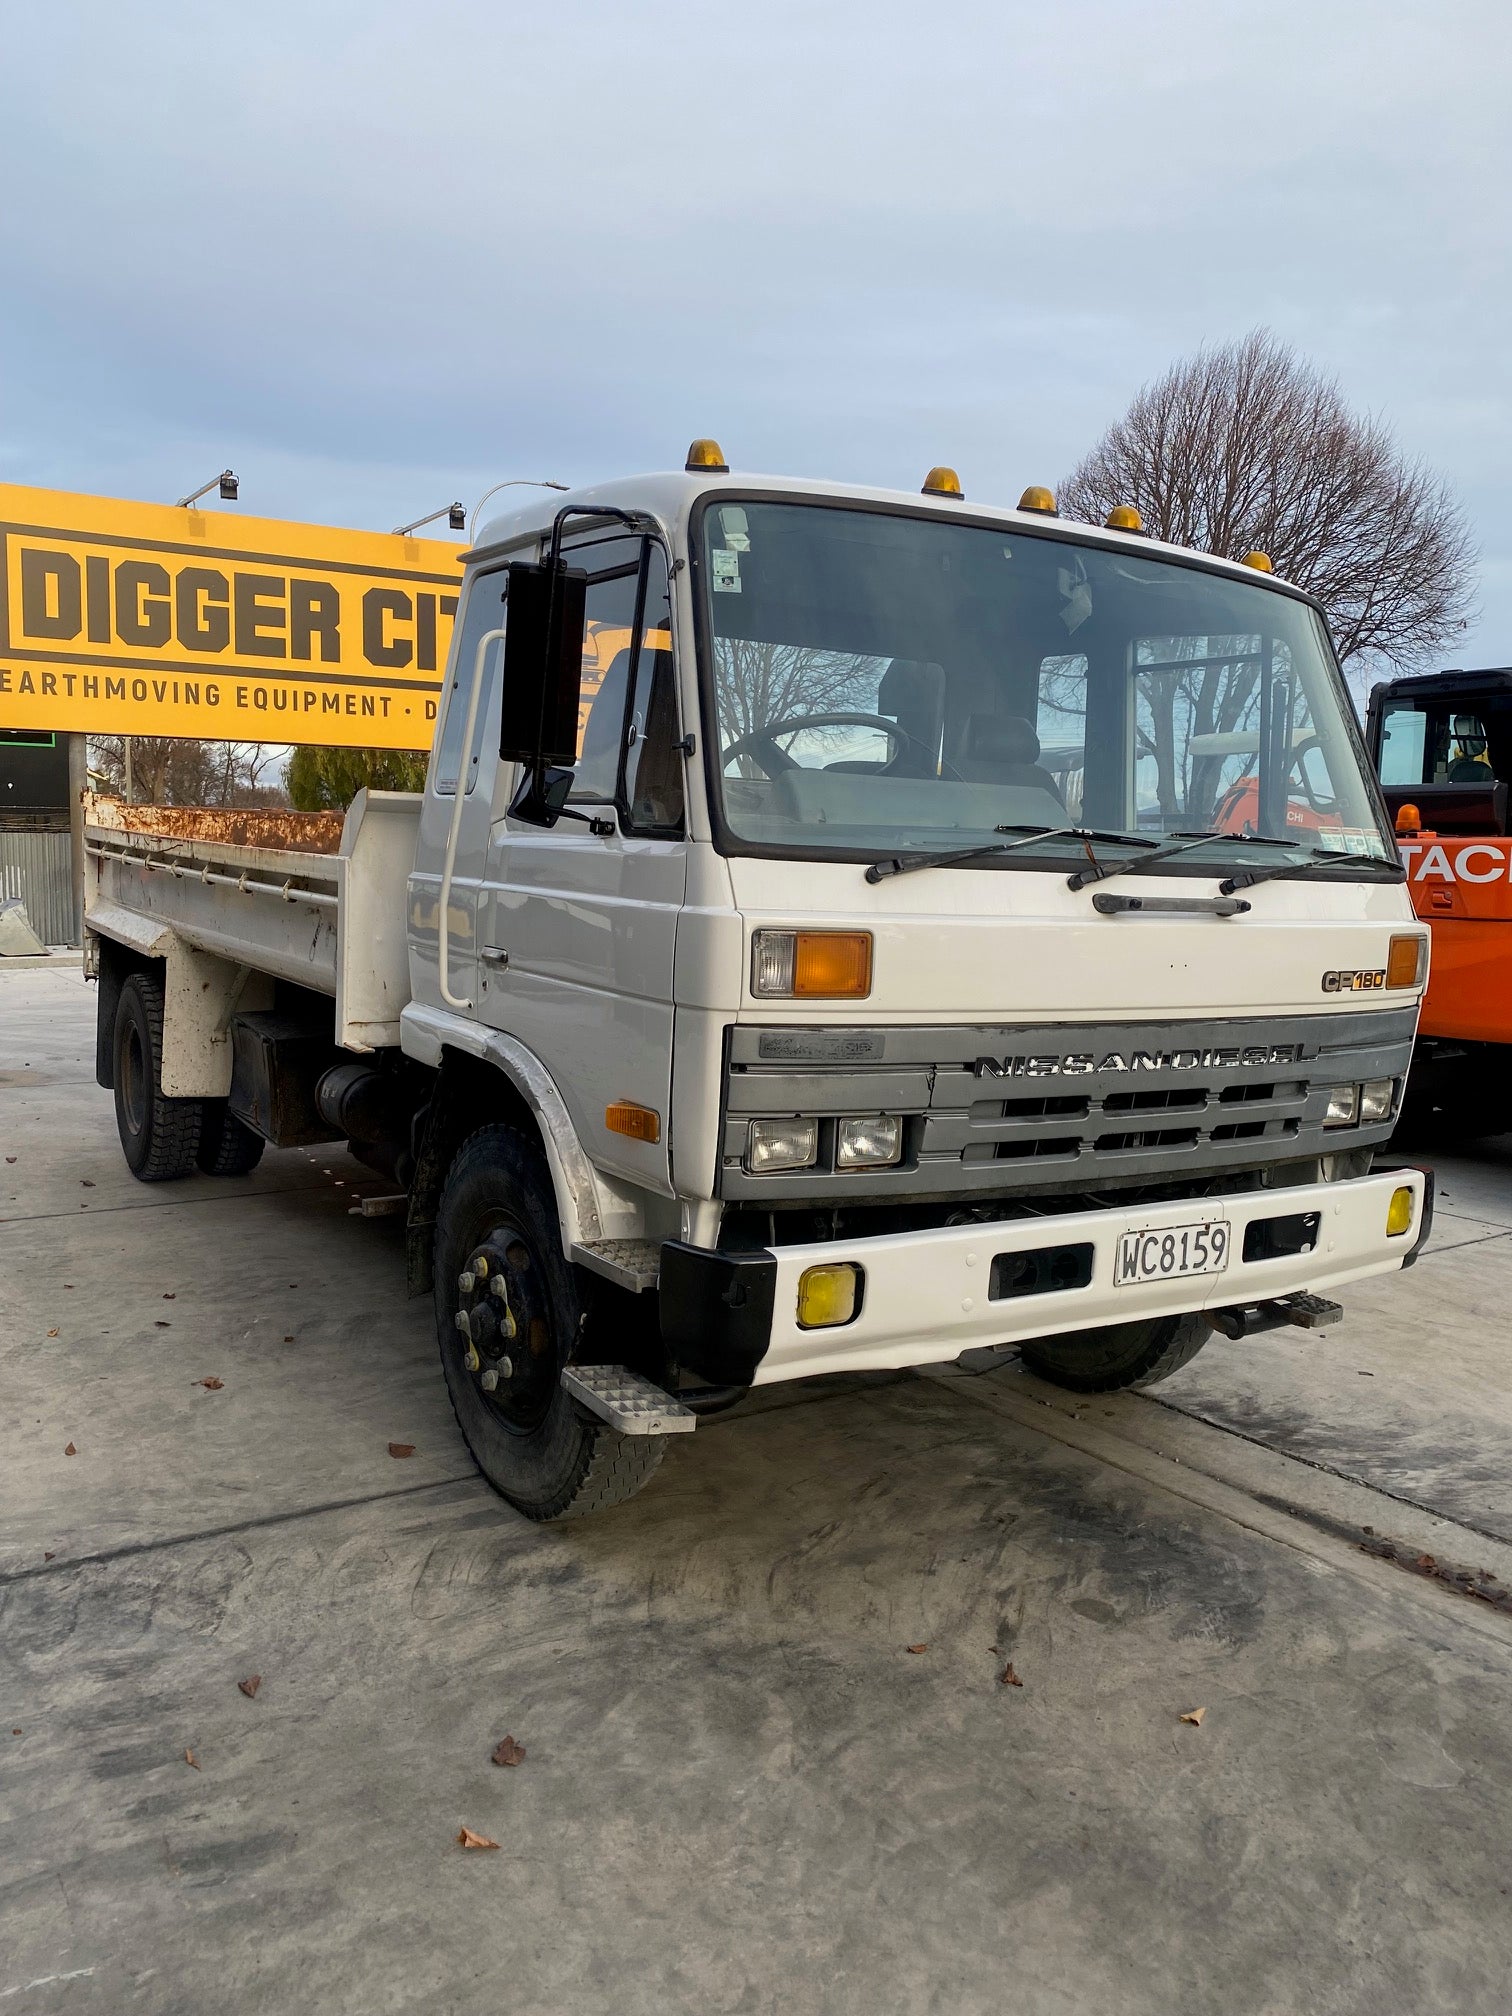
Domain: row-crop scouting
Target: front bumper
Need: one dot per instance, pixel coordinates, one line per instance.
(927, 1294)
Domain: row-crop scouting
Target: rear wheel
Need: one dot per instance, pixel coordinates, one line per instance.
(1119, 1354)
(227, 1146)
(499, 1267)
(160, 1137)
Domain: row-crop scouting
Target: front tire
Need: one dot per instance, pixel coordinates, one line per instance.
(497, 1225)
(160, 1137)
(1119, 1354)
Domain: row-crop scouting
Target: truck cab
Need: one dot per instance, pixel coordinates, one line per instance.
(940, 926)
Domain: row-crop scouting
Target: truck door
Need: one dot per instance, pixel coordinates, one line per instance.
(579, 921)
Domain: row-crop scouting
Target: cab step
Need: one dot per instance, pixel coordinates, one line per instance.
(628, 1263)
(630, 1404)
(1303, 1309)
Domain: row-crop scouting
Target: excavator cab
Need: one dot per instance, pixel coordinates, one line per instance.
(1443, 743)
(1442, 746)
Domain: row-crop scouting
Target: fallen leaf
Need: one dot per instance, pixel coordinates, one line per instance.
(467, 1839)
(1008, 1677)
(919, 1648)
(52, 1333)
(68, 1284)
(85, 1184)
(508, 1752)
(168, 1297)
(10, 1158)
(1194, 1716)
(1426, 1561)
(50, 1557)
(14, 1732)
(191, 1759)
(250, 1685)
(212, 1384)
(401, 1448)
(288, 1340)
(161, 1323)
(70, 1450)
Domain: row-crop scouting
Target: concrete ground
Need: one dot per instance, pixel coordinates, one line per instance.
(742, 1790)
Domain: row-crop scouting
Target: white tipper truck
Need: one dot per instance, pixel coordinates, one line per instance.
(927, 926)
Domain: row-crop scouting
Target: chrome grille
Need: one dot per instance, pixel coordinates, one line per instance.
(1014, 1108)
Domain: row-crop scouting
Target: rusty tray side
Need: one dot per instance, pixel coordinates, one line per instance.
(230, 826)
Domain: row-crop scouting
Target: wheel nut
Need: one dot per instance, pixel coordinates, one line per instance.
(466, 1282)
(489, 1380)
(506, 1367)
(464, 1322)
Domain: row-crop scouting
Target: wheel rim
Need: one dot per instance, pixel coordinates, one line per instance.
(506, 1335)
(131, 1076)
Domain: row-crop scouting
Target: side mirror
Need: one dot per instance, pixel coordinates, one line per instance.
(543, 664)
(541, 796)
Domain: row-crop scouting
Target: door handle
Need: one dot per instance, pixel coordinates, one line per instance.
(494, 955)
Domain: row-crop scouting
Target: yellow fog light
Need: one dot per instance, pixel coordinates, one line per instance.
(1398, 1215)
(828, 1296)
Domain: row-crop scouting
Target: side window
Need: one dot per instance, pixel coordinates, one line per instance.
(627, 722)
(1404, 736)
(613, 567)
(652, 787)
(483, 611)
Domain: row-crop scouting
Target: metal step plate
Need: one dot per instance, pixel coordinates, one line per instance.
(628, 1263)
(1311, 1312)
(626, 1401)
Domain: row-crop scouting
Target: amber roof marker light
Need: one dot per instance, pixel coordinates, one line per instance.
(942, 482)
(1124, 518)
(707, 457)
(1261, 562)
(1038, 498)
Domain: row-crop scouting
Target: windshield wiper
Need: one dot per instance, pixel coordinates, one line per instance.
(1185, 842)
(878, 871)
(1316, 858)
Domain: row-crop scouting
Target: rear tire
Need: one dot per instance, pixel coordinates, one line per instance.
(160, 1137)
(1119, 1354)
(227, 1146)
(525, 1434)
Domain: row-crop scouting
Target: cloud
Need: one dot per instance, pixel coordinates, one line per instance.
(377, 256)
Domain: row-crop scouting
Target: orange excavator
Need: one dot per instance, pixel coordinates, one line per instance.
(1442, 745)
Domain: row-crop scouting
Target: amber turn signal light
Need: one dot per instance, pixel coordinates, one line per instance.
(811, 965)
(638, 1123)
(1404, 961)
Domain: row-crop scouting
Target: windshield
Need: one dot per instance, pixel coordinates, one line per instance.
(886, 683)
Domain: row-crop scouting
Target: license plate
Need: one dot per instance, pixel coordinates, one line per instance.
(1177, 1250)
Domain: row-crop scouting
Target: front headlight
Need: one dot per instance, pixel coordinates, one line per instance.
(781, 1144)
(873, 1143)
(1376, 1100)
(1343, 1106)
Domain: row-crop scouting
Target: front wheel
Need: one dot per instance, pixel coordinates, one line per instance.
(500, 1269)
(1118, 1354)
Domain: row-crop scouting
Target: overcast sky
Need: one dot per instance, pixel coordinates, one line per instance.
(375, 255)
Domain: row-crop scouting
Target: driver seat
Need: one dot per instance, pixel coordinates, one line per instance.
(1004, 749)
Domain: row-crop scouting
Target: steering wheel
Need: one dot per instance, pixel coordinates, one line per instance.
(762, 742)
(1298, 768)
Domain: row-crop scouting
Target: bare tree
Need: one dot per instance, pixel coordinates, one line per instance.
(760, 683)
(178, 770)
(1248, 446)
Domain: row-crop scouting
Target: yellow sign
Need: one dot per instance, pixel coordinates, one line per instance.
(149, 619)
